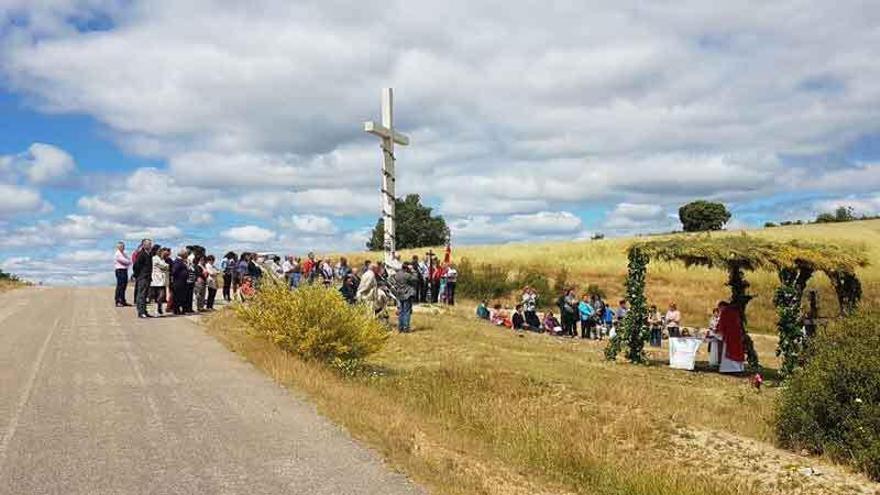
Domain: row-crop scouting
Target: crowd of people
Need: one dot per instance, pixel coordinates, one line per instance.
(598, 320)
(179, 284)
(189, 283)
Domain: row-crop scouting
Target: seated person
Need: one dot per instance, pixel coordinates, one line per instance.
(500, 318)
(483, 311)
(551, 324)
(518, 320)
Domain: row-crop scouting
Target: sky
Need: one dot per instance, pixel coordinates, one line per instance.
(239, 125)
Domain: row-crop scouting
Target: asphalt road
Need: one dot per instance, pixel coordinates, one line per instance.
(96, 401)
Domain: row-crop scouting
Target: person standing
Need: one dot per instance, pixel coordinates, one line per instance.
(159, 279)
(655, 323)
(287, 268)
(241, 269)
(200, 284)
(296, 273)
(673, 321)
(420, 279)
(326, 272)
(308, 267)
(253, 270)
(406, 285)
(586, 312)
(342, 269)
(179, 275)
(622, 310)
(121, 262)
(348, 291)
(436, 277)
(191, 277)
(568, 311)
(210, 281)
(368, 288)
(730, 329)
(451, 281)
(142, 269)
(227, 266)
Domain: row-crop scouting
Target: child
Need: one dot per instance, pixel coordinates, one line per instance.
(483, 310)
(551, 324)
(500, 317)
(608, 316)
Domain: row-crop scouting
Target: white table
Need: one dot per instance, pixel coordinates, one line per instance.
(683, 352)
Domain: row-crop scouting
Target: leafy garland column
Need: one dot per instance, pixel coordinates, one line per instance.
(788, 309)
(635, 329)
(739, 297)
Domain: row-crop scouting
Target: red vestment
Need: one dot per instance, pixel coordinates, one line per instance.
(730, 327)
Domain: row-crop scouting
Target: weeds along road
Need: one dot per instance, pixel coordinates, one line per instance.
(93, 400)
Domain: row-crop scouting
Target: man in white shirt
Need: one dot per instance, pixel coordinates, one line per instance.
(287, 268)
(121, 262)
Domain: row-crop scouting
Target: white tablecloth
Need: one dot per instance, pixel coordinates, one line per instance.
(683, 352)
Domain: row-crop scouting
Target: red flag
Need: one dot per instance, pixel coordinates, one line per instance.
(447, 258)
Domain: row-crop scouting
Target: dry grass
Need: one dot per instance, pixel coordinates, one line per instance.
(464, 407)
(7, 285)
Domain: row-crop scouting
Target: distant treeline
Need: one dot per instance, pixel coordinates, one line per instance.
(841, 214)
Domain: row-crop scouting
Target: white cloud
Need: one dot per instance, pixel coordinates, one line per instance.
(46, 164)
(309, 224)
(87, 256)
(15, 200)
(627, 218)
(867, 205)
(249, 234)
(694, 101)
(543, 225)
(517, 115)
(164, 234)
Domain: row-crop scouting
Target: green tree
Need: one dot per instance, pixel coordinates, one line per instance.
(826, 218)
(844, 214)
(701, 215)
(416, 227)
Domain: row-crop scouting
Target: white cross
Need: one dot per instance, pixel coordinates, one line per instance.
(389, 137)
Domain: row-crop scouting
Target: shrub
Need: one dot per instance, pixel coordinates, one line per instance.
(594, 290)
(314, 322)
(483, 281)
(560, 281)
(832, 405)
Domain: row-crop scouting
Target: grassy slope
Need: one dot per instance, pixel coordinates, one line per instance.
(463, 407)
(696, 290)
(7, 285)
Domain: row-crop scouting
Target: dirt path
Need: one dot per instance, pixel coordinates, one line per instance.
(771, 469)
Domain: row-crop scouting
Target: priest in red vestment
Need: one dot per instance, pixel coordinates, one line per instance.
(730, 328)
